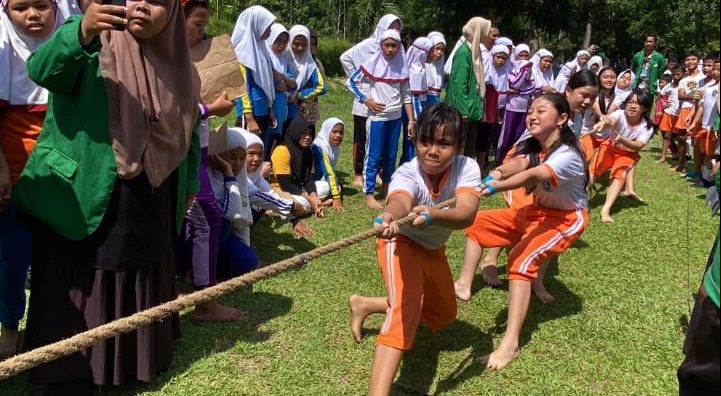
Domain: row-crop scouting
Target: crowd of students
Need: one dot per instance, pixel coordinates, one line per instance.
(107, 233)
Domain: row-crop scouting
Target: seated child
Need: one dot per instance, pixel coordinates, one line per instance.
(326, 150)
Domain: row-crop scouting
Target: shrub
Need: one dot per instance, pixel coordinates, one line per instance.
(329, 51)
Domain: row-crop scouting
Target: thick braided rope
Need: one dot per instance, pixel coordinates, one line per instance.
(86, 339)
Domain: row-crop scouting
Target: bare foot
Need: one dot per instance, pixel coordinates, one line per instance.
(8, 342)
(502, 356)
(661, 161)
(633, 195)
(463, 292)
(606, 217)
(371, 201)
(358, 314)
(213, 311)
(358, 180)
(539, 289)
(490, 274)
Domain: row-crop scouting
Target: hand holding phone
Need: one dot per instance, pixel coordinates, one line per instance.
(119, 3)
(99, 17)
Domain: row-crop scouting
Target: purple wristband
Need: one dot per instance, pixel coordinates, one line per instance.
(203, 111)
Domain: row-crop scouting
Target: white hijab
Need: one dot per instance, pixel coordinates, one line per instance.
(304, 64)
(435, 69)
(568, 69)
(416, 58)
(368, 47)
(542, 78)
(15, 47)
(595, 60)
(498, 76)
(256, 181)
(378, 68)
(244, 217)
(323, 140)
(620, 94)
(250, 49)
(280, 62)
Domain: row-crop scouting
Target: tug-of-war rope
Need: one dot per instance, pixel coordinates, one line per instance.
(48, 353)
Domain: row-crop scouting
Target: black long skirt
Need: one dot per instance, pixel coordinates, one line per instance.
(125, 266)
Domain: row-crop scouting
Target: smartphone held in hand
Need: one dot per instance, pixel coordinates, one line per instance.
(117, 3)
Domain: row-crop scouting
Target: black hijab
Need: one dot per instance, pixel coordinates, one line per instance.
(301, 158)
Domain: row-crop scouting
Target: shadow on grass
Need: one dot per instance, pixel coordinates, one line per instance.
(622, 202)
(420, 364)
(203, 339)
(272, 238)
(567, 304)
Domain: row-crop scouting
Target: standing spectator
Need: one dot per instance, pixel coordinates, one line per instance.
(648, 65)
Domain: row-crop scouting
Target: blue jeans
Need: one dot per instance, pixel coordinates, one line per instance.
(15, 253)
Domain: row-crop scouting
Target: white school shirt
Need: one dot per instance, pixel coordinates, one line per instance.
(576, 123)
(699, 78)
(640, 132)
(346, 61)
(567, 188)
(393, 95)
(463, 176)
(710, 96)
(674, 107)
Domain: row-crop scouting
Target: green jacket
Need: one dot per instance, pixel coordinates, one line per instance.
(462, 92)
(71, 173)
(657, 66)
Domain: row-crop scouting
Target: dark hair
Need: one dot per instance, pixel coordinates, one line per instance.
(440, 115)
(691, 53)
(667, 78)
(655, 38)
(713, 58)
(677, 68)
(645, 99)
(532, 147)
(601, 97)
(193, 4)
(583, 78)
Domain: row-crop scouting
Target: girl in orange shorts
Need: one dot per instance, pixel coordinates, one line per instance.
(549, 163)
(412, 257)
(630, 130)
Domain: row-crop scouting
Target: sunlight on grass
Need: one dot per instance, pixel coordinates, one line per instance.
(621, 291)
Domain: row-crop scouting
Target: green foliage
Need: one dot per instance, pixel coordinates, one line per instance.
(329, 51)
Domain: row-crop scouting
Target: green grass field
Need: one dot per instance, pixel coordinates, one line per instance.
(616, 327)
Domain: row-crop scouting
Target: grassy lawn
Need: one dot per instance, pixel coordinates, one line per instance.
(622, 293)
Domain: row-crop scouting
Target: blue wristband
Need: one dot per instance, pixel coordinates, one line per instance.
(378, 220)
(490, 188)
(488, 178)
(427, 216)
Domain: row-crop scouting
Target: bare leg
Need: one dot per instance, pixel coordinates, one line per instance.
(384, 190)
(664, 149)
(519, 298)
(629, 187)
(539, 289)
(358, 180)
(611, 195)
(698, 158)
(360, 308)
(481, 159)
(681, 154)
(385, 364)
(489, 269)
(472, 254)
(8, 342)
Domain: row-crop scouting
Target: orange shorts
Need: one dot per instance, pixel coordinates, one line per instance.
(419, 286)
(618, 160)
(589, 143)
(668, 123)
(706, 140)
(518, 198)
(680, 125)
(536, 234)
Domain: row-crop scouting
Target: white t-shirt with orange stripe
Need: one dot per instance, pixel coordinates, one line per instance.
(567, 188)
(462, 176)
(640, 132)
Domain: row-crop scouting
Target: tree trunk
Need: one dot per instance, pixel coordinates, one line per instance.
(587, 39)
